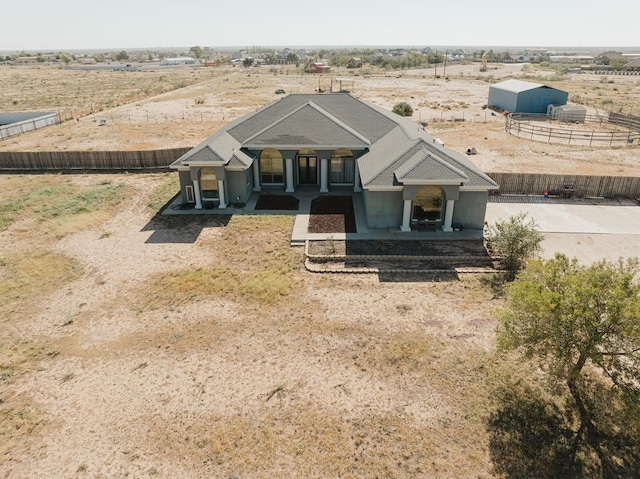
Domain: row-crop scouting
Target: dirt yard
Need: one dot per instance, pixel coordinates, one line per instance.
(134, 345)
(197, 102)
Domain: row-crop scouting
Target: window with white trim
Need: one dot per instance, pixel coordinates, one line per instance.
(271, 167)
(342, 167)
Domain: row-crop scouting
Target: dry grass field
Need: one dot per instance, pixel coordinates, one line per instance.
(135, 345)
(180, 107)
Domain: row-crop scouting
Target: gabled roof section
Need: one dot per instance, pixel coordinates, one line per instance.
(205, 155)
(344, 108)
(377, 166)
(309, 125)
(219, 148)
(409, 154)
(240, 160)
(425, 168)
(477, 179)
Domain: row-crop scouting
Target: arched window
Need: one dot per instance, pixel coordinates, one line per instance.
(428, 204)
(208, 183)
(271, 167)
(342, 167)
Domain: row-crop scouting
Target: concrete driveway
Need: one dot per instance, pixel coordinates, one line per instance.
(587, 232)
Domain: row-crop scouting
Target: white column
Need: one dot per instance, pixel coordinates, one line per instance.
(356, 178)
(256, 176)
(448, 216)
(406, 216)
(221, 194)
(324, 176)
(288, 169)
(196, 190)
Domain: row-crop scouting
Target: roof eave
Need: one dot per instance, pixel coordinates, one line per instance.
(205, 163)
(459, 182)
(382, 188)
(253, 146)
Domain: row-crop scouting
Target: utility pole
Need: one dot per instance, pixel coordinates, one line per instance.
(435, 72)
(445, 64)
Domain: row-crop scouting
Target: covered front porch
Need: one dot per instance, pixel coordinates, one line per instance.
(291, 169)
(300, 233)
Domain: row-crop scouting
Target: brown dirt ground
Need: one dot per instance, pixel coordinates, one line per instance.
(270, 201)
(116, 373)
(184, 117)
(161, 356)
(332, 214)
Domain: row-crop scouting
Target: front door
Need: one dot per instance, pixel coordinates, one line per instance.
(307, 170)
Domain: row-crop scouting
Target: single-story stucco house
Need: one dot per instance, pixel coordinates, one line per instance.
(334, 142)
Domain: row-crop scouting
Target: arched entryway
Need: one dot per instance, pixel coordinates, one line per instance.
(208, 184)
(427, 205)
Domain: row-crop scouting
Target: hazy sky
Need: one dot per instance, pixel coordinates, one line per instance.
(53, 25)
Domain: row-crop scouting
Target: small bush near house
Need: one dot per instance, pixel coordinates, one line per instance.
(402, 109)
(515, 241)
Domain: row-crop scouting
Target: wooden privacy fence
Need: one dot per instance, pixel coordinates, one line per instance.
(577, 185)
(88, 160)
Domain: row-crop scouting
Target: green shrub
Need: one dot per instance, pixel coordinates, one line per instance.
(402, 109)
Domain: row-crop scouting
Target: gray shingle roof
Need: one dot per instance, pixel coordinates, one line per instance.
(205, 154)
(426, 168)
(351, 111)
(395, 149)
(307, 126)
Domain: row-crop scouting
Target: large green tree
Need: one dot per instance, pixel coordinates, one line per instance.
(582, 324)
(122, 56)
(197, 52)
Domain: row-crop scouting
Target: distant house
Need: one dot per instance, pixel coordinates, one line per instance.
(179, 61)
(571, 59)
(633, 65)
(517, 96)
(335, 142)
(355, 62)
(320, 67)
(607, 57)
